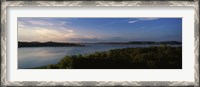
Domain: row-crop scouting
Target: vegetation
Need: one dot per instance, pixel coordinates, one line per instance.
(58, 44)
(155, 57)
(46, 44)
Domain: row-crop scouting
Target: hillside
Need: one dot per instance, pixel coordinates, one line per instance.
(46, 44)
(162, 57)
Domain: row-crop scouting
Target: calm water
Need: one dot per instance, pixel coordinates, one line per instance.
(29, 57)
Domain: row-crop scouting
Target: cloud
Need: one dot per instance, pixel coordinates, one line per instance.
(21, 24)
(45, 34)
(43, 29)
(132, 21)
(47, 23)
(41, 22)
(34, 29)
(141, 19)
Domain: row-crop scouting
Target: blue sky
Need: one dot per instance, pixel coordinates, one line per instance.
(99, 29)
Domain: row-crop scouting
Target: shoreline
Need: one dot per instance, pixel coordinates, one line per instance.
(64, 44)
(84, 58)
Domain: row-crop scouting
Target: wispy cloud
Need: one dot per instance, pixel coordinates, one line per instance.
(44, 22)
(141, 19)
(43, 29)
(133, 21)
(21, 24)
(45, 34)
(39, 22)
(48, 23)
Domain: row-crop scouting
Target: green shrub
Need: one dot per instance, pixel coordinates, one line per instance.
(160, 57)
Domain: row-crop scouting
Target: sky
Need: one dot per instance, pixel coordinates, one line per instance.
(91, 30)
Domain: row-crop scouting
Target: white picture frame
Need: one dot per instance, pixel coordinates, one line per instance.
(4, 38)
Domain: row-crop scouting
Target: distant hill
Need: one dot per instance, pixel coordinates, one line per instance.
(46, 44)
(145, 42)
(59, 44)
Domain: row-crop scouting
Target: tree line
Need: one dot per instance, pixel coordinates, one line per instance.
(154, 57)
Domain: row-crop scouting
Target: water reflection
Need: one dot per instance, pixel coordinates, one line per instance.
(40, 56)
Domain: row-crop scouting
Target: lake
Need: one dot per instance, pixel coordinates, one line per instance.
(29, 57)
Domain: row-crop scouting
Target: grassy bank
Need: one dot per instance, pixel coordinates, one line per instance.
(162, 57)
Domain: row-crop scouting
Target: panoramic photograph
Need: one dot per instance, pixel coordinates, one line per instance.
(99, 43)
